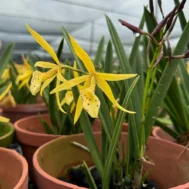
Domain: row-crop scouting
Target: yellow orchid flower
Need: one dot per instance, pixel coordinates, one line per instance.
(87, 99)
(6, 91)
(25, 73)
(39, 79)
(4, 119)
(8, 101)
(69, 98)
(5, 76)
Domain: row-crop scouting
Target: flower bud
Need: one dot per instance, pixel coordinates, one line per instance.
(131, 27)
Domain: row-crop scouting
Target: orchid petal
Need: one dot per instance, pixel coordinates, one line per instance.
(6, 91)
(115, 77)
(43, 64)
(23, 76)
(58, 102)
(75, 73)
(82, 55)
(5, 74)
(4, 119)
(60, 77)
(69, 84)
(58, 98)
(36, 82)
(90, 101)
(43, 43)
(24, 82)
(51, 73)
(8, 101)
(103, 85)
(72, 107)
(67, 99)
(63, 102)
(79, 108)
(25, 61)
(45, 84)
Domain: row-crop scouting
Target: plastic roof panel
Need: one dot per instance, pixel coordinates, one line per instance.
(84, 19)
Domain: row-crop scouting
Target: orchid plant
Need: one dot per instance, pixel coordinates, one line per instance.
(139, 99)
(87, 99)
(15, 81)
(176, 106)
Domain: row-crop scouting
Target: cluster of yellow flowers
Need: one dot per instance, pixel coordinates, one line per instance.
(86, 82)
(24, 76)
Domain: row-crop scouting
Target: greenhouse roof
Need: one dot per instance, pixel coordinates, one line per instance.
(84, 19)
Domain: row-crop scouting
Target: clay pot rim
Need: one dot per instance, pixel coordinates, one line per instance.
(154, 132)
(24, 165)
(42, 172)
(26, 132)
(9, 133)
(49, 177)
(32, 107)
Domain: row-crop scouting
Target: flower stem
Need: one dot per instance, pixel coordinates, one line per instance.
(74, 69)
(146, 98)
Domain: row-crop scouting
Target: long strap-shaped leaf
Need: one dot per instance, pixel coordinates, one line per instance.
(165, 82)
(115, 138)
(125, 66)
(182, 18)
(5, 58)
(84, 120)
(99, 52)
(135, 48)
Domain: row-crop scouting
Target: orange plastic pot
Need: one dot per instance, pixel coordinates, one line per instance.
(53, 158)
(13, 170)
(23, 110)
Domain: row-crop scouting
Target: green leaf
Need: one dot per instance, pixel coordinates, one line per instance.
(165, 82)
(15, 90)
(176, 103)
(47, 127)
(125, 66)
(5, 58)
(116, 135)
(52, 103)
(90, 179)
(60, 48)
(109, 59)
(135, 48)
(84, 120)
(161, 122)
(99, 53)
(182, 18)
(150, 22)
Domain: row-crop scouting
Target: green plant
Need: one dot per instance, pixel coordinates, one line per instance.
(47, 77)
(142, 95)
(15, 79)
(176, 102)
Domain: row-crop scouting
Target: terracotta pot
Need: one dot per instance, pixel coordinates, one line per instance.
(97, 126)
(161, 134)
(23, 110)
(6, 134)
(31, 134)
(13, 170)
(53, 158)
